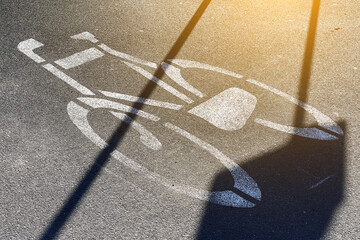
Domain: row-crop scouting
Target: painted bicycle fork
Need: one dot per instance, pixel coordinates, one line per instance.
(229, 111)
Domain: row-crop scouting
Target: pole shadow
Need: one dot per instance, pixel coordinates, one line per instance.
(301, 183)
(74, 199)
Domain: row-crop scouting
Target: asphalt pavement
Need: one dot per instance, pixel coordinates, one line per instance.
(179, 119)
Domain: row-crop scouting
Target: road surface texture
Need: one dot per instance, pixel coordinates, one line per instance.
(201, 119)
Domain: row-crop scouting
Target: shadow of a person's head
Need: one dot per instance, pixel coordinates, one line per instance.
(301, 185)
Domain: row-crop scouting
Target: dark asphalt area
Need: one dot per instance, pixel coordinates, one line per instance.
(172, 170)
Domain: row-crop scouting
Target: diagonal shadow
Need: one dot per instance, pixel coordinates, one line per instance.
(307, 62)
(301, 182)
(90, 176)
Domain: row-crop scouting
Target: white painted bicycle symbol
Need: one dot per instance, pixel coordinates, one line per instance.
(228, 111)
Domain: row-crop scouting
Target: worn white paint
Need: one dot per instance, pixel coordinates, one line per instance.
(79, 58)
(243, 181)
(78, 116)
(323, 120)
(85, 36)
(175, 74)
(127, 56)
(103, 103)
(193, 64)
(146, 137)
(314, 133)
(229, 110)
(159, 82)
(27, 47)
(61, 75)
(146, 101)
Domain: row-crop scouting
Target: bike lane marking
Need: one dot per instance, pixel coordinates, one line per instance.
(73, 83)
(322, 120)
(150, 102)
(78, 116)
(228, 110)
(79, 58)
